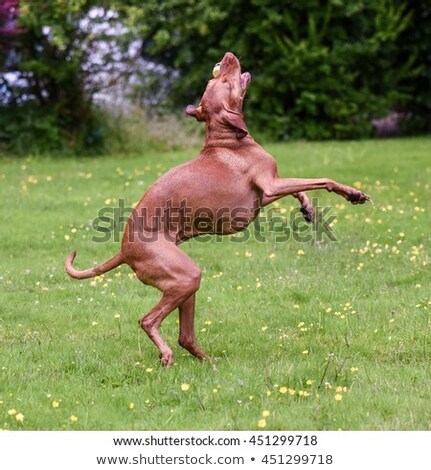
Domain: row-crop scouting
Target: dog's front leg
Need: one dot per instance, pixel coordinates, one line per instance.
(275, 188)
(306, 206)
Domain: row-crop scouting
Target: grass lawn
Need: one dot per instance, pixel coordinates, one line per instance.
(322, 335)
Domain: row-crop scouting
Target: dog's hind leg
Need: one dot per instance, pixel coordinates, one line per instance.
(187, 338)
(178, 278)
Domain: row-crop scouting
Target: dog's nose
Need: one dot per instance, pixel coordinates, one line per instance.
(229, 61)
(229, 57)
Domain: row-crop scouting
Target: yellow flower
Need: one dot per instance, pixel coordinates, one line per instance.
(73, 419)
(19, 417)
(185, 387)
(55, 404)
(12, 412)
(309, 382)
(131, 406)
(149, 370)
(265, 413)
(305, 352)
(292, 391)
(301, 252)
(283, 390)
(261, 423)
(338, 397)
(117, 316)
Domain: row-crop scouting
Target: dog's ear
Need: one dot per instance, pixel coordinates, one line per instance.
(195, 112)
(235, 120)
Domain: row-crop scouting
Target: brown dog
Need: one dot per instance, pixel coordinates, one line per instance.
(221, 191)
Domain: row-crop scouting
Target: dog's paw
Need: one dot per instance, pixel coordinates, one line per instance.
(308, 213)
(357, 197)
(167, 358)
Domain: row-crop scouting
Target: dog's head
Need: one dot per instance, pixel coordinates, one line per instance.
(221, 104)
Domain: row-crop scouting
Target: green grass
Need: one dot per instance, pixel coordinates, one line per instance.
(299, 318)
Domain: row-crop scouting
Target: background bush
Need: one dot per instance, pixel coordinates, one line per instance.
(322, 69)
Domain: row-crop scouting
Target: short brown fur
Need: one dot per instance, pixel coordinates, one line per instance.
(231, 175)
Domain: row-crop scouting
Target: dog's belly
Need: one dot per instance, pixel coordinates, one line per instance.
(197, 198)
(212, 214)
(210, 203)
(223, 219)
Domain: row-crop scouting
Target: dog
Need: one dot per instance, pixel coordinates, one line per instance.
(221, 191)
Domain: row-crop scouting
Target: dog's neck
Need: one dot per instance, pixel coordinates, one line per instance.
(224, 136)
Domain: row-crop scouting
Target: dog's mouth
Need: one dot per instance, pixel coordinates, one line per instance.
(230, 64)
(245, 80)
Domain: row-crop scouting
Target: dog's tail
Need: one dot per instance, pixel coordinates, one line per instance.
(114, 262)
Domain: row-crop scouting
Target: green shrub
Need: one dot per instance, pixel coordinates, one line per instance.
(26, 129)
(322, 68)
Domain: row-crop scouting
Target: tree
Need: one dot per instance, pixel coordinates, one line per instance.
(323, 68)
(71, 50)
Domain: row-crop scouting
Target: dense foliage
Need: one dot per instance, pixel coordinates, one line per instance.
(415, 44)
(322, 68)
(69, 52)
